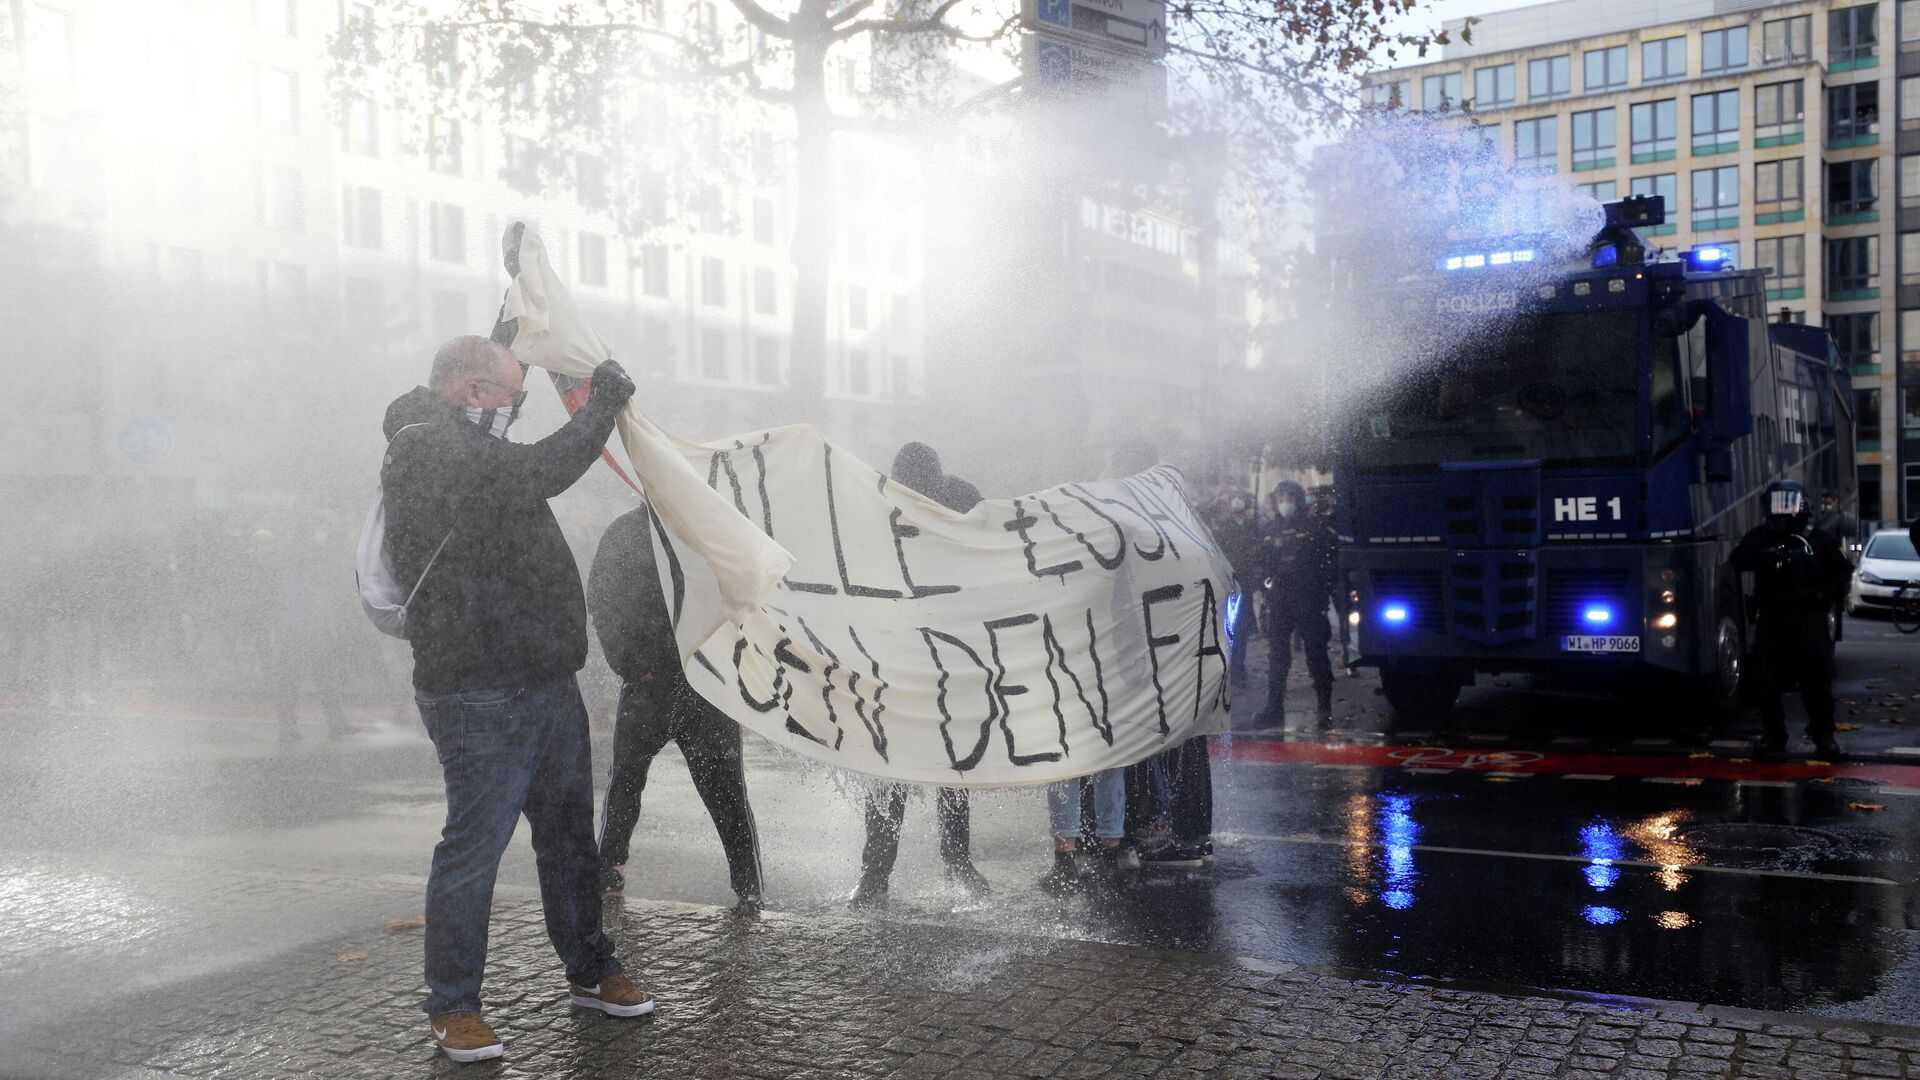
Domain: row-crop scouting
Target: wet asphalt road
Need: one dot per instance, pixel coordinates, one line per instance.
(1554, 840)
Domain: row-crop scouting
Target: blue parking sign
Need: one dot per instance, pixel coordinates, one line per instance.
(1057, 12)
(1055, 64)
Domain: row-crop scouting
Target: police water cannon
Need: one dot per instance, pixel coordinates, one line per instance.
(1617, 244)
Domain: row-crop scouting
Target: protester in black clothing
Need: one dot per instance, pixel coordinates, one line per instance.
(658, 705)
(917, 466)
(1798, 573)
(1296, 565)
(1323, 505)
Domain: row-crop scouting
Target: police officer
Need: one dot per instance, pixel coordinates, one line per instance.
(1296, 563)
(1322, 498)
(1798, 573)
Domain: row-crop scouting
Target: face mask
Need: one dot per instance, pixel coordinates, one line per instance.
(1239, 505)
(494, 421)
(1286, 509)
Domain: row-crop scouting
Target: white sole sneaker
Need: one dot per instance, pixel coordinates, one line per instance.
(468, 1057)
(584, 1002)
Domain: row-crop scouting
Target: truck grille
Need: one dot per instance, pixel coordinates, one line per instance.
(1419, 590)
(1568, 592)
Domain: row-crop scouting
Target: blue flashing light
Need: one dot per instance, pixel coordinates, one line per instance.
(1607, 256)
(1710, 257)
(1480, 260)
(1597, 615)
(1395, 614)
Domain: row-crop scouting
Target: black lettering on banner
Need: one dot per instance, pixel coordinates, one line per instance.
(1144, 497)
(1151, 556)
(1057, 657)
(839, 552)
(674, 572)
(816, 587)
(875, 729)
(1179, 515)
(1021, 523)
(708, 664)
(733, 480)
(1209, 615)
(1119, 534)
(960, 764)
(908, 532)
(826, 677)
(1001, 689)
(766, 504)
(1147, 600)
(739, 680)
(784, 655)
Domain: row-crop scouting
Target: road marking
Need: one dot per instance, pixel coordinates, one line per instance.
(1651, 742)
(1766, 783)
(1683, 781)
(1890, 790)
(1586, 776)
(1908, 750)
(1542, 856)
(1338, 765)
(1731, 744)
(1573, 740)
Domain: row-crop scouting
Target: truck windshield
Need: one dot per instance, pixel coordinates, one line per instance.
(1559, 386)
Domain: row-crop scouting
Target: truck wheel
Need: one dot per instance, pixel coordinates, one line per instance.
(1716, 698)
(1419, 693)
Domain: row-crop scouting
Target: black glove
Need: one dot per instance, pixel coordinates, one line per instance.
(610, 380)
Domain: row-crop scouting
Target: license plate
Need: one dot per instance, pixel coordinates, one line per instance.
(1601, 643)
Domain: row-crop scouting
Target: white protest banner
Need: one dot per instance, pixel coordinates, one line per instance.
(1031, 639)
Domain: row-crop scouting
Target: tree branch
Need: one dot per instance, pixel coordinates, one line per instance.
(848, 12)
(763, 20)
(933, 23)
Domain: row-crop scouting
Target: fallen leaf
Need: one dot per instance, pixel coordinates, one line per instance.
(1741, 760)
(406, 924)
(1854, 712)
(1865, 806)
(1874, 684)
(1895, 720)
(1822, 779)
(350, 957)
(1846, 727)
(1700, 754)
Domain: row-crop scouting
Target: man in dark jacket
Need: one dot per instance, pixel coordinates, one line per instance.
(1296, 565)
(498, 626)
(658, 705)
(917, 466)
(1798, 573)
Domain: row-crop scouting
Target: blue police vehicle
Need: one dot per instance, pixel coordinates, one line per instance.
(1554, 483)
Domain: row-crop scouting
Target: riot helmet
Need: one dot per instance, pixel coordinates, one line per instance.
(1787, 505)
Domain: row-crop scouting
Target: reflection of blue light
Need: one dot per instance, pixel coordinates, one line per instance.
(1598, 615)
(1394, 613)
(1398, 833)
(1602, 876)
(1233, 615)
(1607, 256)
(1601, 844)
(1602, 916)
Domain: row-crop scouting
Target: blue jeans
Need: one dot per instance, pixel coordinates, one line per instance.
(505, 753)
(1109, 805)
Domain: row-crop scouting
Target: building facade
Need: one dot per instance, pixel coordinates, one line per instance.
(1773, 129)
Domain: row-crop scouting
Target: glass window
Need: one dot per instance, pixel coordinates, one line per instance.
(360, 128)
(1606, 69)
(713, 353)
(1909, 181)
(1910, 259)
(1910, 421)
(1779, 109)
(1493, 86)
(1856, 337)
(360, 218)
(1909, 332)
(713, 281)
(1388, 95)
(1852, 186)
(1851, 33)
(1665, 185)
(1440, 92)
(1778, 186)
(1605, 191)
(1716, 120)
(277, 100)
(1536, 143)
(590, 181)
(447, 239)
(1662, 60)
(1593, 137)
(766, 291)
(1909, 102)
(1909, 21)
(1552, 77)
(1723, 50)
(856, 307)
(1853, 264)
(1654, 125)
(1866, 422)
(1716, 192)
(857, 372)
(1783, 40)
(1784, 258)
(766, 360)
(653, 270)
(593, 260)
(1853, 111)
(443, 145)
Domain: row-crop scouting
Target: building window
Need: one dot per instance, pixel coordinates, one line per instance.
(1909, 334)
(1853, 112)
(443, 145)
(1536, 144)
(522, 171)
(1852, 187)
(1779, 112)
(1388, 95)
(713, 281)
(49, 43)
(1716, 121)
(1440, 92)
(593, 260)
(448, 314)
(1662, 60)
(1866, 429)
(447, 236)
(763, 228)
(766, 292)
(280, 198)
(1909, 22)
(858, 377)
(275, 17)
(1910, 258)
(1851, 34)
(653, 270)
(1493, 86)
(277, 100)
(897, 319)
(1549, 78)
(1723, 50)
(1910, 422)
(1909, 181)
(1655, 124)
(713, 354)
(590, 181)
(1593, 138)
(1857, 338)
(856, 307)
(766, 360)
(1665, 185)
(1716, 196)
(1606, 69)
(1853, 266)
(1786, 40)
(1779, 186)
(360, 128)
(1784, 258)
(1910, 102)
(360, 217)
(1605, 191)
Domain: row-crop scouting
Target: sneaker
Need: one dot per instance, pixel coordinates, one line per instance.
(465, 1037)
(1828, 749)
(870, 895)
(1206, 853)
(969, 880)
(616, 996)
(1064, 878)
(1273, 716)
(1129, 858)
(613, 880)
(747, 907)
(1174, 855)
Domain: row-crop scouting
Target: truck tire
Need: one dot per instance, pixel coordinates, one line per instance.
(1718, 695)
(1419, 693)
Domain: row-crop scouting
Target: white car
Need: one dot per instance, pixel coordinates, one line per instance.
(1888, 562)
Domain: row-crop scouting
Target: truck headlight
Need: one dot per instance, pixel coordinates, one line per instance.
(1666, 620)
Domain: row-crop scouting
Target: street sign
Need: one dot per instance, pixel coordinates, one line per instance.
(1128, 84)
(1129, 27)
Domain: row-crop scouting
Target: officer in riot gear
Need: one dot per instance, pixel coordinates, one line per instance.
(1798, 572)
(1296, 564)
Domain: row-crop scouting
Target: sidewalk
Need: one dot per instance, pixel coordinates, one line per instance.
(813, 997)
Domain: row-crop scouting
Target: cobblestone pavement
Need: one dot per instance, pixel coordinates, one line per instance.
(805, 997)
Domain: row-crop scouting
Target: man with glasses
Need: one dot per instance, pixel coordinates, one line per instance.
(498, 625)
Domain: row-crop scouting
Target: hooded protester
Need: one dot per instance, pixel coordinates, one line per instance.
(1296, 565)
(1798, 574)
(498, 625)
